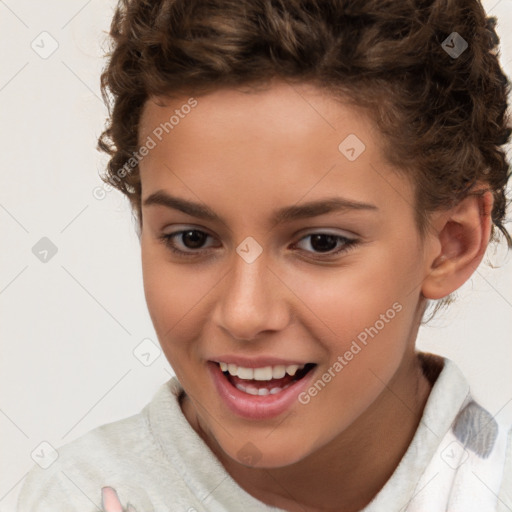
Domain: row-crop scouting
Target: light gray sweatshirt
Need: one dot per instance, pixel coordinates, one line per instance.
(460, 460)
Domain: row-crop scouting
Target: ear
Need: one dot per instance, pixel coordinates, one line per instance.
(460, 238)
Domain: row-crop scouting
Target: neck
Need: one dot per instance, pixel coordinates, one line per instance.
(347, 473)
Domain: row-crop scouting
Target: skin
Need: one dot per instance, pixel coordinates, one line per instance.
(244, 156)
(111, 503)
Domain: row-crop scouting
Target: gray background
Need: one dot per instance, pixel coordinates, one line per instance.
(70, 326)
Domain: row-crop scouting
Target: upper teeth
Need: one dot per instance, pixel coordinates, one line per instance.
(265, 373)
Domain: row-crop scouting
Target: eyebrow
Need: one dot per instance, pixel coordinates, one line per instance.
(285, 214)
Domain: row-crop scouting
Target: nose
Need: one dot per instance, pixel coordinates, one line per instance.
(252, 300)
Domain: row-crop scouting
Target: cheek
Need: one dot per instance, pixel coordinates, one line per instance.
(176, 297)
(164, 290)
(353, 295)
(369, 302)
(363, 319)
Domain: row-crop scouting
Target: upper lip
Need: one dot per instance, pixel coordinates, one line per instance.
(257, 362)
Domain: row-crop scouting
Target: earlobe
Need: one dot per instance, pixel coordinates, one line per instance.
(462, 237)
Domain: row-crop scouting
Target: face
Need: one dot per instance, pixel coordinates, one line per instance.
(336, 284)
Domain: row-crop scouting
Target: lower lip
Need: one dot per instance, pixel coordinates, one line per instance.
(257, 407)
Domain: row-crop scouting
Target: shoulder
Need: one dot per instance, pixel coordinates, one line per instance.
(481, 444)
(505, 493)
(469, 464)
(70, 477)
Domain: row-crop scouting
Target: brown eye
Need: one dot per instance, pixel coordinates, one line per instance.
(321, 243)
(190, 242)
(193, 239)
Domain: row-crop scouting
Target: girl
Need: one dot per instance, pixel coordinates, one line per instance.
(245, 133)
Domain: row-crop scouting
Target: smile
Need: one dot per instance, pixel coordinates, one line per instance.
(263, 373)
(259, 393)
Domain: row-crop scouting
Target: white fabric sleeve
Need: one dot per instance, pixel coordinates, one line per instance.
(505, 495)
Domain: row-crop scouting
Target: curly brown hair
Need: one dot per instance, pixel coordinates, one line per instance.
(443, 118)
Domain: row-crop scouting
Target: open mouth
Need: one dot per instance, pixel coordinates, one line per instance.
(271, 386)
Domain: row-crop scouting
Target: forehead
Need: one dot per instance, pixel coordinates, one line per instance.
(272, 147)
(290, 112)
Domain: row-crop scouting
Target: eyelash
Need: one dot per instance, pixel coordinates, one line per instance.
(167, 240)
